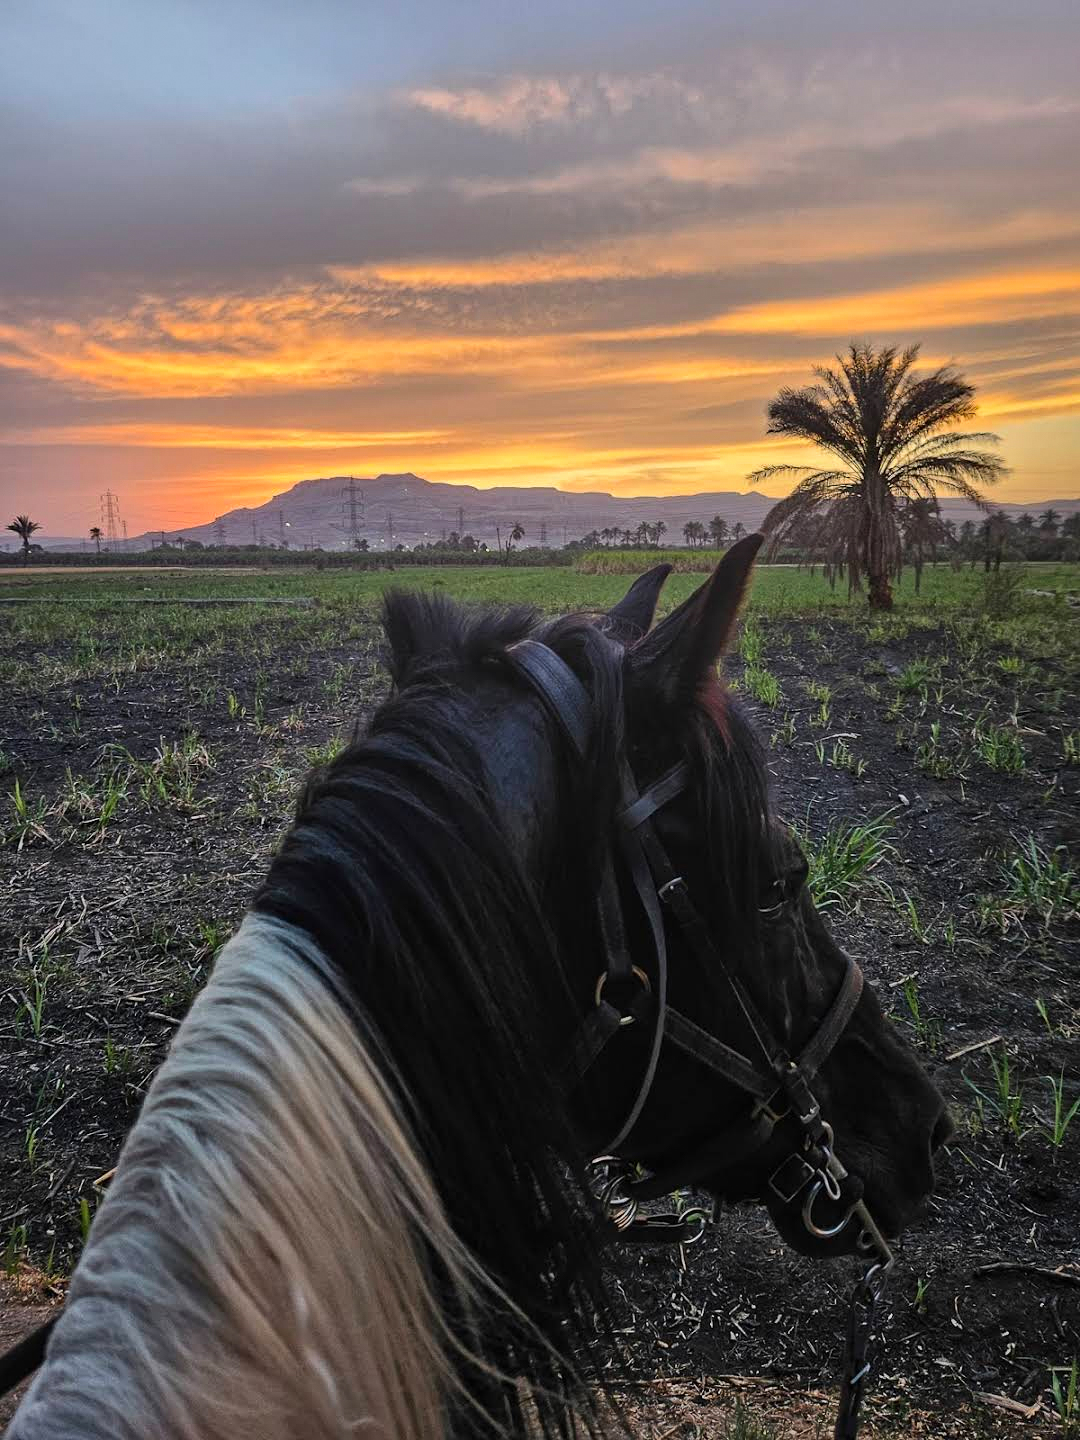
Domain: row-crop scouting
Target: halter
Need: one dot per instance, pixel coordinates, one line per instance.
(779, 1084)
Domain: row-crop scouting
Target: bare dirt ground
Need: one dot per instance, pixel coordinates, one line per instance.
(150, 799)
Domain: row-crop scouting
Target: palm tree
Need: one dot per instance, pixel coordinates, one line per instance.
(24, 527)
(889, 431)
(95, 536)
(1025, 523)
(516, 533)
(922, 527)
(693, 532)
(995, 529)
(1048, 521)
(738, 530)
(718, 530)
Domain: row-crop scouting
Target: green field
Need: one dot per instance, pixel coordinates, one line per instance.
(777, 589)
(86, 635)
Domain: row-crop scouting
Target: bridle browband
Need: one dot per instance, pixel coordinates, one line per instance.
(778, 1084)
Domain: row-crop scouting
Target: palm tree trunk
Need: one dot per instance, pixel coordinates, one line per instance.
(877, 562)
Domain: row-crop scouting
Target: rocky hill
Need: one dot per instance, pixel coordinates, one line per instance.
(406, 509)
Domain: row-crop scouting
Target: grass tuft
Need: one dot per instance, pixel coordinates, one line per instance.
(842, 862)
(1038, 883)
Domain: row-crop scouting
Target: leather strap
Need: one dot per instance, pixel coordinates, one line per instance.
(823, 1041)
(719, 1057)
(646, 891)
(24, 1358)
(558, 688)
(656, 797)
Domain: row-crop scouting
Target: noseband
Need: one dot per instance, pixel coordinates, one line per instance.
(778, 1084)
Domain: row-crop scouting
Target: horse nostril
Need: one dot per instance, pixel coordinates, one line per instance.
(943, 1132)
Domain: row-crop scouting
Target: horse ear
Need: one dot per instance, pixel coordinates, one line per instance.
(678, 655)
(633, 615)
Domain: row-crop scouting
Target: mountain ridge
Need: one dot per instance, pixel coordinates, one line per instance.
(404, 508)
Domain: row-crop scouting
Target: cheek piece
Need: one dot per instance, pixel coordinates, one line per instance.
(811, 1178)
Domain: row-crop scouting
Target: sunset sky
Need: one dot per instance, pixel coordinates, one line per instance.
(547, 243)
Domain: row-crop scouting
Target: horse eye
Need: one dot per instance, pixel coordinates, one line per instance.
(771, 902)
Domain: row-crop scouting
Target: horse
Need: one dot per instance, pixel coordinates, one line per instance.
(540, 911)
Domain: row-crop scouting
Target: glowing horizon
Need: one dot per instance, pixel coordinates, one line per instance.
(536, 268)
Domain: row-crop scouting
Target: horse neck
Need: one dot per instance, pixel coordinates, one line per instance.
(256, 1269)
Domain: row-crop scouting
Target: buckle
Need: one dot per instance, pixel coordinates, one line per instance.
(675, 883)
(790, 1177)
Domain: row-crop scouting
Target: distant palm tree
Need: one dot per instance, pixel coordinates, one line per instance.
(1025, 523)
(995, 529)
(922, 529)
(693, 533)
(718, 530)
(738, 530)
(889, 431)
(1048, 522)
(95, 536)
(24, 527)
(516, 533)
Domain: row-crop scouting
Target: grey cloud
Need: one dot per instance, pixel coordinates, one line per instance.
(253, 198)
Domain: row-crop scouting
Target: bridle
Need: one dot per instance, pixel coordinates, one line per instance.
(778, 1084)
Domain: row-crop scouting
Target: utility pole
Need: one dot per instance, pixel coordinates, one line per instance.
(352, 514)
(125, 534)
(355, 511)
(461, 519)
(219, 531)
(254, 530)
(282, 522)
(390, 529)
(543, 534)
(110, 517)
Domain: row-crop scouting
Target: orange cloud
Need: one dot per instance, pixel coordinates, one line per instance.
(995, 297)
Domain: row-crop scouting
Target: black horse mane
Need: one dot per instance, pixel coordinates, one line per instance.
(398, 866)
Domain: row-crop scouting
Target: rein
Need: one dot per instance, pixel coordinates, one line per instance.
(779, 1085)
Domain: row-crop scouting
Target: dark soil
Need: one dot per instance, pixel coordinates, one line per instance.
(107, 930)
